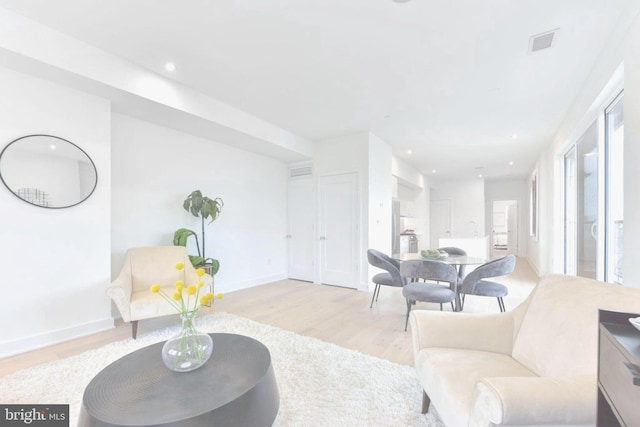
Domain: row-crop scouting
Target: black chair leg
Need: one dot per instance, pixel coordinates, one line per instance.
(134, 329)
(376, 289)
(426, 401)
(501, 304)
(406, 322)
(452, 307)
(440, 306)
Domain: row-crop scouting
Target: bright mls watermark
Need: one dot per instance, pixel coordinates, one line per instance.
(34, 415)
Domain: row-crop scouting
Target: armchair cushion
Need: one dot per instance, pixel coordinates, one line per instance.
(451, 374)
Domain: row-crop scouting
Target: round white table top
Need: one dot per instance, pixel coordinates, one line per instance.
(451, 259)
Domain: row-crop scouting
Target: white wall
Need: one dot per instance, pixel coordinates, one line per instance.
(467, 205)
(510, 190)
(379, 211)
(156, 168)
(55, 262)
(545, 253)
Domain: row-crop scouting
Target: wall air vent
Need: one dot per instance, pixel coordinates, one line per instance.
(543, 40)
(300, 171)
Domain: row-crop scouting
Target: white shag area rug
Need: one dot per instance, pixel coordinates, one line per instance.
(320, 384)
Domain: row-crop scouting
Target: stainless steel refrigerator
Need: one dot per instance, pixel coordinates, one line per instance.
(395, 226)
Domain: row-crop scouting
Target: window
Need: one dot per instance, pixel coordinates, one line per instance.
(614, 212)
(593, 188)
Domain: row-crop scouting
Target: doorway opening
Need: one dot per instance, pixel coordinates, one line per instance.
(504, 228)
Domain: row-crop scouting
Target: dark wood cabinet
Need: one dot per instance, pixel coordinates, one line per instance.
(618, 370)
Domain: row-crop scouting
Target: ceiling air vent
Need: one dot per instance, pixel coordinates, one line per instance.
(542, 41)
(301, 171)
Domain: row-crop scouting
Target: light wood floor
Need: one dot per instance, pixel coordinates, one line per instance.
(333, 314)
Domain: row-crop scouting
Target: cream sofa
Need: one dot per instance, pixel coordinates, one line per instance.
(535, 365)
(142, 268)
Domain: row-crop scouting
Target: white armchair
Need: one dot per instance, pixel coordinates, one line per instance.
(535, 365)
(142, 268)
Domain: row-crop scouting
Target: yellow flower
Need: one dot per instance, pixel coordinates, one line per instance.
(179, 265)
(179, 285)
(177, 296)
(220, 295)
(155, 288)
(200, 272)
(191, 289)
(200, 283)
(204, 300)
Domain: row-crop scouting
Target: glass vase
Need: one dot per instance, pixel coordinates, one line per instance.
(188, 350)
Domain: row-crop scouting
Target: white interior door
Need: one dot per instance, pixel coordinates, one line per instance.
(300, 227)
(338, 201)
(440, 221)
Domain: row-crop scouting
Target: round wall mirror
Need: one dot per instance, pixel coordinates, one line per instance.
(47, 171)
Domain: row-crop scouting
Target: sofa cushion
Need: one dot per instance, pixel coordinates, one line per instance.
(559, 333)
(450, 375)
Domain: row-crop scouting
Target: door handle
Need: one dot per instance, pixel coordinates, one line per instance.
(594, 230)
(288, 236)
(323, 238)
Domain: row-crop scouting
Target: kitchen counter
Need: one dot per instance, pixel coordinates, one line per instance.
(474, 246)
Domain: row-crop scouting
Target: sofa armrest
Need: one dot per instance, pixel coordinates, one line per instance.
(484, 332)
(534, 401)
(120, 291)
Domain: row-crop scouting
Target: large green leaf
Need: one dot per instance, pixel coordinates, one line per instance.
(205, 207)
(198, 261)
(181, 236)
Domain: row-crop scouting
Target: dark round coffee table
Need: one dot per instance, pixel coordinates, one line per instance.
(236, 387)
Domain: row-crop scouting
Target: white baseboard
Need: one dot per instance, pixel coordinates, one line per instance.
(533, 267)
(237, 286)
(34, 342)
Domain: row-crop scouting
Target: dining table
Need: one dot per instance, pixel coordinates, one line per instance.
(456, 260)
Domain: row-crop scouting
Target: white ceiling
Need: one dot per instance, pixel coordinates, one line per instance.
(451, 80)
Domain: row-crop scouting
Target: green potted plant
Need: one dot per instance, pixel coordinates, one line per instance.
(205, 208)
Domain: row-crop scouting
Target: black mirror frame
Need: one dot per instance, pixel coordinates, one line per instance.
(61, 139)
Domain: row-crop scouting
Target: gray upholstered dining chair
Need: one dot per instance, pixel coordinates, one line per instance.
(456, 251)
(427, 291)
(474, 283)
(390, 278)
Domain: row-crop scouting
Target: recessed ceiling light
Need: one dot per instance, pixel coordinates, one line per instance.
(514, 136)
(409, 151)
(511, 163)
(433, 171)
(52, 146)
(170, 66)
(479, 175)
